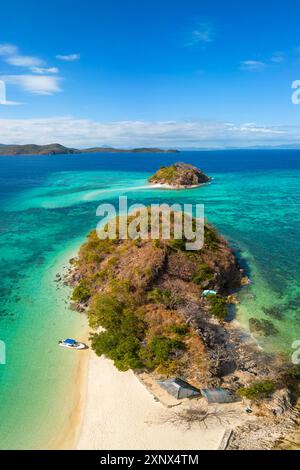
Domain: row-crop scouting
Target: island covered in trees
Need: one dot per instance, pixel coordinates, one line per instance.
(179, 176)
(165, 312)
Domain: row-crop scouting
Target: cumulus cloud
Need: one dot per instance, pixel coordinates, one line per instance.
(192, 134)
(36, 84)
(68, 57)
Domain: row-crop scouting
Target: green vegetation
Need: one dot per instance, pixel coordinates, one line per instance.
(159, 296)
(123, 340)
(95, 249)
(115, 311)
(258, 390)
(168, 299)
(82, 292)
(160, 350)
(177, 244)
(167, 173)
(218, 306)
(133, 301)
(180, 330)
(204, 273)
(211, 238)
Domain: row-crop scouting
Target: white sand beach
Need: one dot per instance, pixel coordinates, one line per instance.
(169, 186)
(119, 413)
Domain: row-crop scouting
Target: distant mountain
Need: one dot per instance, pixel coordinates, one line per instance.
(136, 150)
(32, 149)
(57, 149)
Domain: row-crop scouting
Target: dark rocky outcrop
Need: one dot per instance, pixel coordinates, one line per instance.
(263, 327)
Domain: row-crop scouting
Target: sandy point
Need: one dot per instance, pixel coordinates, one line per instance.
(119, 413)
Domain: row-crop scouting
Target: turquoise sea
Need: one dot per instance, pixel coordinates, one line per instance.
(48, 205)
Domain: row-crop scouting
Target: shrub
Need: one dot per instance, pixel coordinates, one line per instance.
(159, 296)
(82, 292)
(124, 351)
(94, 250)
(159, 350)
(177, 244)
(165, 173)
(257, 390)
(105, 311)
(203, 273)
(211, 237)
(180, 330)
(164, 297)
(156, 243)
(218, 306)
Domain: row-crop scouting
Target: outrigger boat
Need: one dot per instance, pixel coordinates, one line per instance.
(71, 344)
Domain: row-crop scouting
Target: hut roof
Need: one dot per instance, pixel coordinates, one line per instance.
(218, 395)
(179, 388)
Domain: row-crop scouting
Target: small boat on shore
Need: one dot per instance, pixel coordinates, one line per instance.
(71, 344)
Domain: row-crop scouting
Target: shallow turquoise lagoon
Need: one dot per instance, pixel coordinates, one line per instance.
(48, 205)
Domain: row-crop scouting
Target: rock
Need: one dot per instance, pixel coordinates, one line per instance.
(275, 312)
(264, 327)
(179, 175)
(281, 402)
(249, 365)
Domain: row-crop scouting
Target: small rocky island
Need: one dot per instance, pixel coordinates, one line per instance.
(179, 176)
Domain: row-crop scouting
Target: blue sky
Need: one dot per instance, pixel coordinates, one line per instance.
(187, 73)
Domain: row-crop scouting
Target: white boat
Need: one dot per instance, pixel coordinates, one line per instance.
(71, 344)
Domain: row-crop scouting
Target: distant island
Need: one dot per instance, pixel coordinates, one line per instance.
(58, 149)
(179, 176)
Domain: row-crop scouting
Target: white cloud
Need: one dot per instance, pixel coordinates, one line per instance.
(39, 81)
(8, 49)
(36, 84)
(44, 70)
(24, 61)
(252, 128)
(252, 65)
(68, 57)
(202, 35)
(13, 57)
(192, 134)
